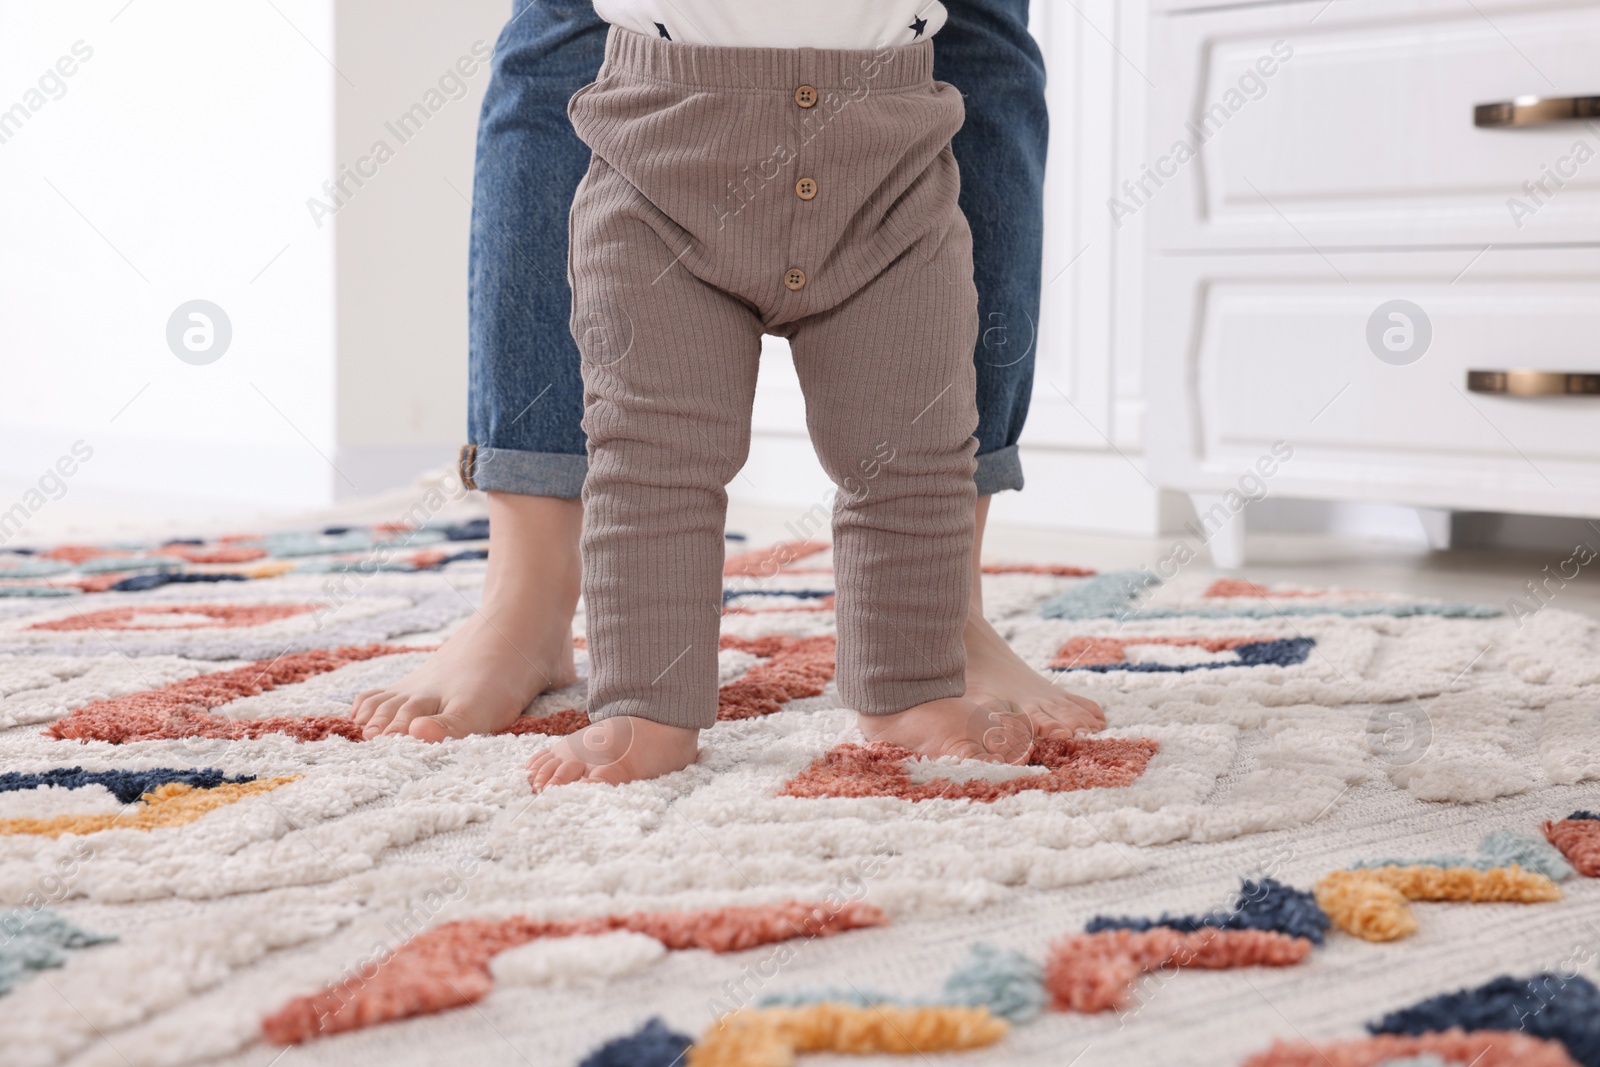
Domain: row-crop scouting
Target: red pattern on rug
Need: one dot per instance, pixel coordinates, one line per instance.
(766, 562)
(879, 770)
(96, 583)
(1579, 841)
(1096, 972)
(1481, 1048)
(448, 966)
(1108, 651)
(817, 607)
(791, 668)
(212, 554)
(183, 709)
(1060, 570)
(1225, 587)
(81, 553)
(557, 724)
(223, 616)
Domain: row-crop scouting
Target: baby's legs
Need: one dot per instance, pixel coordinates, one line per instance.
(669, 378)
(889, 382)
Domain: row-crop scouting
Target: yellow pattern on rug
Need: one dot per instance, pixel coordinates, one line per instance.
(173, 804)
(771, 1037)
(1371, 902)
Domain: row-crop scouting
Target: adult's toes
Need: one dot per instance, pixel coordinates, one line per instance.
(1093, 712)
(1046, 724)
(965, 748)
(1084, 702)
(366, 703)
(410, 709)
(383, 715)
(446, 724)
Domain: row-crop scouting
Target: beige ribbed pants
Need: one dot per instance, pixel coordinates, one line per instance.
(809, 194)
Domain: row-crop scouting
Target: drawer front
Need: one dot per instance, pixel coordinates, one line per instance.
(1373, 395)
(1358, 129)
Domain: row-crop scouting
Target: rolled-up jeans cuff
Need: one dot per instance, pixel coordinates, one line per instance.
(504, 470)
(999, 470)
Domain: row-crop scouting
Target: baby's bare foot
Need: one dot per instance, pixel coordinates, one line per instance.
(956, 726)
(623, 748)
(519, 643)
(997, 675)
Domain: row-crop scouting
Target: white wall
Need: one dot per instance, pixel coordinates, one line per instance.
(403, 233)
(192, 141)
(182, 160)
(174, 166)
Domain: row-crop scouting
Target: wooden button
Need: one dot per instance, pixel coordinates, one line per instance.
(795, 279)
(805, 188)
(805, 96)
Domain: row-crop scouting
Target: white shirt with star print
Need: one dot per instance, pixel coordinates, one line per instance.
(779, 23)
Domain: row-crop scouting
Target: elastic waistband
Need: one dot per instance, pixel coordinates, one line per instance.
(850, 71)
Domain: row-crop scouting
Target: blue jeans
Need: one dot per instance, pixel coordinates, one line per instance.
(525, 395)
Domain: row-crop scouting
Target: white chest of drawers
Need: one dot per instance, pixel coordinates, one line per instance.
(1334, 243)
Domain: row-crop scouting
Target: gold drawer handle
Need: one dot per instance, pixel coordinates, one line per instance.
(1532, 383)
(1536, 111)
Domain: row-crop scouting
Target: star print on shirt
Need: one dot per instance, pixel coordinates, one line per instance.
(663, 31)
(917, 26)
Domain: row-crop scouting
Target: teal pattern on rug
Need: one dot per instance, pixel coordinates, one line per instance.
(1115, 595)
(1005, 981)
(1502, 848)
(33, 941)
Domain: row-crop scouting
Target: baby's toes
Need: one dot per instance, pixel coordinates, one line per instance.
(568, 771)
(542, 767)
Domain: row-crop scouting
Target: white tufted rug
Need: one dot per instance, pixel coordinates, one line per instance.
(1298, 731)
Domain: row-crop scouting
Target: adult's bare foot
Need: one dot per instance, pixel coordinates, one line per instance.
(998, 676)
(955, 726)
(517, 645)
(623, 748)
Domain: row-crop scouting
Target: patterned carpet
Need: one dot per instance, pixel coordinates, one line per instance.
(1313, 808)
